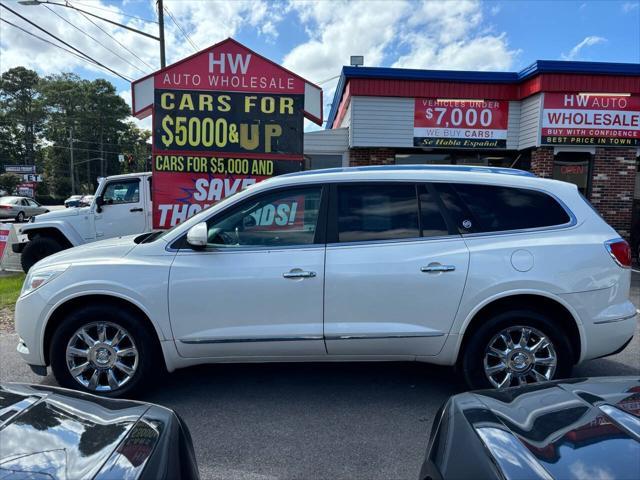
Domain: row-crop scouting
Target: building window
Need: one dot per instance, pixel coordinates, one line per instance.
(574, 167)
(315, 162)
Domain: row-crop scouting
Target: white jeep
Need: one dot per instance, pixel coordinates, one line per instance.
(122, 206)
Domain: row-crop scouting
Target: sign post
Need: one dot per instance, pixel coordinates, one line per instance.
(223, 119)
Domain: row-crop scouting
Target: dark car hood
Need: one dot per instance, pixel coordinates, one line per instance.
(571, 429)
(54, 433)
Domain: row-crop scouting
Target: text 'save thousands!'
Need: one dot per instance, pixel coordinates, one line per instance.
(214, 144)
(451, 123)
(590, 119)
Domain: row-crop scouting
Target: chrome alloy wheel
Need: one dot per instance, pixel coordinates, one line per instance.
(102, 356)
(519, 355)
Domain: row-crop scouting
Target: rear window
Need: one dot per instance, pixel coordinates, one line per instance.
(377, 212)
(492, 208)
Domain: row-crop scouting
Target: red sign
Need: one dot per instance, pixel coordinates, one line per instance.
(451, 123)
(229, 67)
(4, 235)
(586, 119)
(223, 119)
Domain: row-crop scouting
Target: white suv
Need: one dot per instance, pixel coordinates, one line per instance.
(510, 277)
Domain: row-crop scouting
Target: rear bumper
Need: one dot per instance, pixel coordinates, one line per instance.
(610, 337)
(606, 319)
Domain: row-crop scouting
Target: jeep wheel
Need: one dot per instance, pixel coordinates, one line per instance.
(103, 349)
(37, 249)
(516, 348)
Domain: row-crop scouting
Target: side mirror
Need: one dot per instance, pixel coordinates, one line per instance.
(197, 235)
(99, 203)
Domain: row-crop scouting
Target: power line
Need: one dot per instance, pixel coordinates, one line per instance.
(92, 38)
(173, 19)
(119, 12)
(64, 43)
(51, 43)
(328, 79)
(114, 39)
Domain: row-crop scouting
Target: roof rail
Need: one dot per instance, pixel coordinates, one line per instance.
(434, 168)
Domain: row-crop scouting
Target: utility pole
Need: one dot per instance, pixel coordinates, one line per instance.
(73, 176)
(101, 148)
(163, 62)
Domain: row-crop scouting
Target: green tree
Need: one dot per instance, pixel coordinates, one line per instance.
(135, 146)
(93, 114)
(21, 116)
(9, 182)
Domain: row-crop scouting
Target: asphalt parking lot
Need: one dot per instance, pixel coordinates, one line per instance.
(321, 421)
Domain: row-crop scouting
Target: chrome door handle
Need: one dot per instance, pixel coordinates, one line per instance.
(438, 268)
(297, 273)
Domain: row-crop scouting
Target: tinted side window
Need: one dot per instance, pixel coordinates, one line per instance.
(496, 208)
(281, 218)
(431, 219)
(377, 212)
(127, 191)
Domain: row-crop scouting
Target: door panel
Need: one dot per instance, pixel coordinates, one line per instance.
(257, 288)
(395, 271)
(240, 303)
(123, 212)
(378, 301)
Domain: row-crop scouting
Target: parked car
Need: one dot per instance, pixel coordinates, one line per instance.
(511, 277)
(121, 206)
(567, 429)
(73, 201)
(20, 208)
(53, 433)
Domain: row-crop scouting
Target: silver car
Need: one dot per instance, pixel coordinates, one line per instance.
(19, 208)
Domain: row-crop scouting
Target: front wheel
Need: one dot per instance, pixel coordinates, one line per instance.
(103, 350)
(516, 348)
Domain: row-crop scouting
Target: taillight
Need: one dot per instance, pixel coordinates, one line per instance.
(620, 251)
(7, 207)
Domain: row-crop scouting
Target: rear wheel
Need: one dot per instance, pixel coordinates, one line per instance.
(20, 217)
(516, 348)
(37, 249)
(103, 350)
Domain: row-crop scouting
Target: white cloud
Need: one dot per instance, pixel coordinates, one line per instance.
(339, 29)
(438, 35)
(589, 41)
(630, 6)
(18, 48)
(453, 35)
(205, 22)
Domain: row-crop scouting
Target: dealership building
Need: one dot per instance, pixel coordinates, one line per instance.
(572, 121)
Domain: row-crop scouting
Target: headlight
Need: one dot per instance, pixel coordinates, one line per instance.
(37, 278)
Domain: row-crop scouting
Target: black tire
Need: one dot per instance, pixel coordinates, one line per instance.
(472, 359)
(20, 217)
(150, 362)
(35, 250)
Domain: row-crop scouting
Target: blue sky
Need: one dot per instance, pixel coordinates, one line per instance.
(315, 38)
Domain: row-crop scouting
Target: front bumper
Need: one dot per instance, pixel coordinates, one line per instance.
(29, 326)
